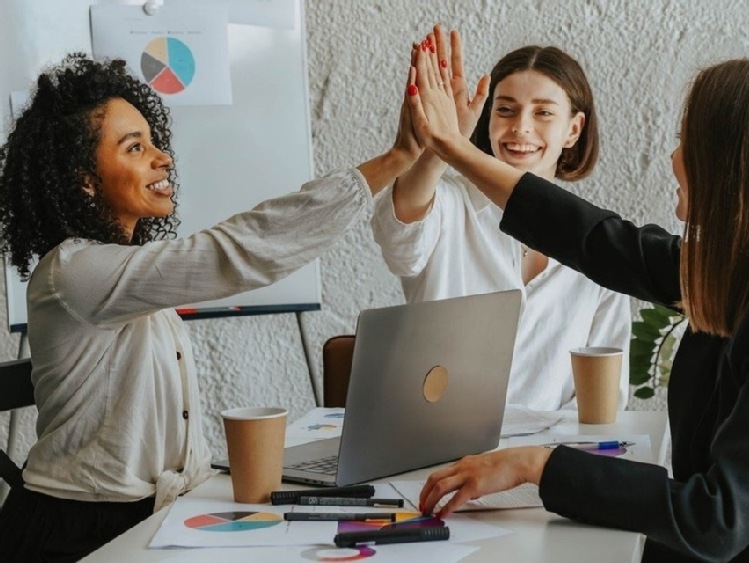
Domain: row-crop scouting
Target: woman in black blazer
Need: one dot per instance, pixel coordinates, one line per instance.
(702, 513)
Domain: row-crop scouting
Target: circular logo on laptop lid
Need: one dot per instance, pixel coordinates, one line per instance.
(435, 384)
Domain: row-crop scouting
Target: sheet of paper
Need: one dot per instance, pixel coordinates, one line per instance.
(525, 496)
(637, 446)
(181, 52)
(203, 522)
(279, 14)
(429, 552)
(317, 424)
(519, 421)
(209, 523)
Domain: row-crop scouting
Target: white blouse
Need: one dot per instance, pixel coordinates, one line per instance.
(113, 371)
(458, 249)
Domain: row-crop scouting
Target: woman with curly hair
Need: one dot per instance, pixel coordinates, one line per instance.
(87, 187)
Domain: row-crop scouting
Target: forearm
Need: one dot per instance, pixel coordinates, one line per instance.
(413, 191)
(495, 178)
(536, 462)
(383, 169)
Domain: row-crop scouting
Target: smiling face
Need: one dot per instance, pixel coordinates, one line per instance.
(134, 173)
(531, 122)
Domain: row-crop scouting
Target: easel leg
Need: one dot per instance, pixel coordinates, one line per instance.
(308, 359)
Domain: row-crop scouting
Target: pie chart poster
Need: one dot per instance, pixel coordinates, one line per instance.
(182, 52)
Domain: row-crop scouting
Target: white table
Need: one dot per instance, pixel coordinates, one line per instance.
(537, 536)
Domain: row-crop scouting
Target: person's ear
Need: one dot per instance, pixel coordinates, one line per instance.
(576, 128)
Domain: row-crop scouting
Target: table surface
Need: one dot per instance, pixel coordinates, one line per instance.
(537, 535)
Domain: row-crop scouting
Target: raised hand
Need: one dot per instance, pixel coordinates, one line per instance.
(405, 140)
(431, 101)
(467, 107)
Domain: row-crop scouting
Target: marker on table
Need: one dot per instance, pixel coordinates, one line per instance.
(392, 535)
(327, 516)
(606, 445)
(292, 497)
(348, 501)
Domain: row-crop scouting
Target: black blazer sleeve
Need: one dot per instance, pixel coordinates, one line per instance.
(702, 514)
(642, 262)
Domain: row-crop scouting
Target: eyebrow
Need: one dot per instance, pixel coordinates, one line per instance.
(128, 136)
(534, 100)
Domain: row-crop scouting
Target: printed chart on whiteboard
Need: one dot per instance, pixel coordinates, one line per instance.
(181, 51)
(168, 65)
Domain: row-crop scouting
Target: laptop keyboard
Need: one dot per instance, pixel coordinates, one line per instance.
(324, 465)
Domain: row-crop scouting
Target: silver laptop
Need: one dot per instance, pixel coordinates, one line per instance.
(428, 385)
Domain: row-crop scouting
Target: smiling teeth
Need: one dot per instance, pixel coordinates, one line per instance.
(521, 148)
(158, 186)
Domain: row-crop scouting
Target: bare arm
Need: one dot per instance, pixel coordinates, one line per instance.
(414, 190)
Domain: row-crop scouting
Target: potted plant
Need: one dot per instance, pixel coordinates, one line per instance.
(652, 349)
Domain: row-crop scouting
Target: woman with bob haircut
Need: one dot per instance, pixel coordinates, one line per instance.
(702, 513)
(88, 187)
(438, 232)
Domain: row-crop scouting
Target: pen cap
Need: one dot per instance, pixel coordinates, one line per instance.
(255, 439)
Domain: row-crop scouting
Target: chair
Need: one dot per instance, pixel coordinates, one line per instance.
(16, 391)
(337, 355)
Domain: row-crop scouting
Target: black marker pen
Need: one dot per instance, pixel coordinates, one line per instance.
(392, 535)
(337, 516)
(346, 501)
(292, 497)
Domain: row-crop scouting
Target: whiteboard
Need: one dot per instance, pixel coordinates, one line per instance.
(228, 158)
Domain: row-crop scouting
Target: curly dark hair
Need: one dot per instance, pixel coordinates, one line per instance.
(50, 156)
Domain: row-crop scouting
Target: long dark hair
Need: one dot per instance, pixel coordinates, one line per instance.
(575, 162)
(715, 148)
(50, 156)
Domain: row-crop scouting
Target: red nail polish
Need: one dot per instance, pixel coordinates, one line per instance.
(432, 48)
(443, 63)
(412, 90)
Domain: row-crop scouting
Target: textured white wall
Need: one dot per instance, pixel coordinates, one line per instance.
(639, 56)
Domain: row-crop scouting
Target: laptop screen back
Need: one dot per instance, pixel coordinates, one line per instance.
(428, 384)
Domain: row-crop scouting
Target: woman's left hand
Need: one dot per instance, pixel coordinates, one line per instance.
(477, 475)
(430, 97)
(405, 140)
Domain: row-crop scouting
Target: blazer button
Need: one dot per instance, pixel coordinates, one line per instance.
(185, 415)
(179, 356)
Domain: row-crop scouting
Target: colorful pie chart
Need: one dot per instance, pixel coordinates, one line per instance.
(233, 521)
(167, 65)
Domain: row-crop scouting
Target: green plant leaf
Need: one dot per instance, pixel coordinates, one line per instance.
(637, 375)
(644, 393)
(657, 316)
(645, 331)
(641, 346)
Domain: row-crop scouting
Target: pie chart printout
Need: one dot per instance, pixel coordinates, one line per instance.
(233, 521)
(167, 65)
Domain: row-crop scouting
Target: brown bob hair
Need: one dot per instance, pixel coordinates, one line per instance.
(575, 162)
(715, 148)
